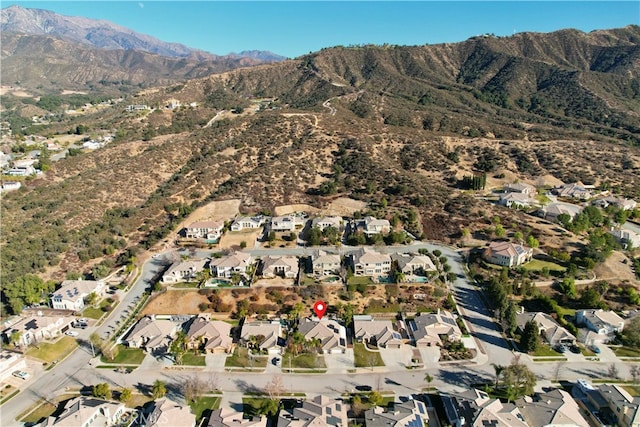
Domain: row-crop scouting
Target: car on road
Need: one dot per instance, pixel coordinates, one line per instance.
(71, 333)
(595, 349)
(21, 374)
(364, 388)
(276, 361)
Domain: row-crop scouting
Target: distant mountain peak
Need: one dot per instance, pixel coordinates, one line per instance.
(103, 34)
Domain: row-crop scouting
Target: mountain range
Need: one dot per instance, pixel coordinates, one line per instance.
(395, 126)
(44, 49)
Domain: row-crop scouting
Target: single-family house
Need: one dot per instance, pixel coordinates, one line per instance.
(152, 334)
(319, 411)
(552, 211)
(619, 202)
(284, 266)
(474, 408)
(521, 188)
(285, 223)
(84, 411)
(516, 200)
(411, 413)
(247, 223)
(11, 185)
(507, 254)
(208, 230)
(602, 322)
(166, 412)
(228, 265)
(325, 263)
(429, 329)
(627, 238)
(265, 335)
(21, 171)
(137, 107)
(10, 362)
(72, 294)
(327, 221)
(212, 336)
(413, 264)
(552, 408)
(183, 271)
(575, 190)
(617, 403)
(376, 332)
(368, 262)
(373, 225)
(34, 329)
(331, 335)
(229, 417)
(550, 330)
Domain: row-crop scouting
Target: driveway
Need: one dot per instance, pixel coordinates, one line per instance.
(339, 363)
(215, 362)
(396, 359)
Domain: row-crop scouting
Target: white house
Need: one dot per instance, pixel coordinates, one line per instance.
(166, 412)
(427, 328)
(521, 188)
(247, 222)
(228, 265)
(183, 271)
(575, 190)
(285, 266)
(413, 264)
(626, 237)
(283, 223)
(151, 334)
(208, 230)
(327, 221)
(34, 329)
(83, 411)
(516, 200)
(602, 322)
(373, 225)
(10, 362)
(331, 335)
(72, 293)
(324, 263)
(376, 332)
(267, 334)
(367, 262)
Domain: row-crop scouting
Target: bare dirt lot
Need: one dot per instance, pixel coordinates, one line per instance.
(221, 210)
(616, 269)
(183, 301)
(344, 206)
(288, 209)
(232, 239)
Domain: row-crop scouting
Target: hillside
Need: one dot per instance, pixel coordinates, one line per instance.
(393, 126)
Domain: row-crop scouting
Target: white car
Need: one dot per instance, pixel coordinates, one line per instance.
(71, 333)
(21, 374)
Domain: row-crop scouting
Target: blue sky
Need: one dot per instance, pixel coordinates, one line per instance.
(293, 28)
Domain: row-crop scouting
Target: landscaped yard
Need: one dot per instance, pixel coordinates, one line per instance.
(53, 351)
(626, 351)
(42, 411)
(203, 404)
(185, 285)
(544, 350)
(359, 280)
(304, 361)
(538, 265)
(93, 313)
(192, 359)
(126, 356)
(240, 359)
(365, 358)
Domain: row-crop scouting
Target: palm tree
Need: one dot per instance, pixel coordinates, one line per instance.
(498, 370)
(428, 379)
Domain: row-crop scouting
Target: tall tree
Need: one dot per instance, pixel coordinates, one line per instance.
(518, 380)
(159, 389)
(530, 337)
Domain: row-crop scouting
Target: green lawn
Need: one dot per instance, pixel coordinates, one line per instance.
(304, 361)
(359, 280)
(240, 359)
(626, 351)
(538, 265)
(544, 350)
(185, 285)
(365, 358)
(192, 359)
(53, 351)
(93, 313)
(203, 404)
(126, 356)
(41, 412)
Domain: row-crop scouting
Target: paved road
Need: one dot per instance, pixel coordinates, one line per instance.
(76, 371)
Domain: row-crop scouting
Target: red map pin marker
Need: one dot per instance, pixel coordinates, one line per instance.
(320, 308)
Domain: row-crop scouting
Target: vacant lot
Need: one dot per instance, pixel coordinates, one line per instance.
(344, 206)
(222, 210)
(233, 239)
(183, 301)
(288, 209)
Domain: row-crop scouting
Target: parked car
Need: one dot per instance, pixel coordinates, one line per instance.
(595, 349)
(71, 333)
(276, 361)
(364, 388)
(21, 374)
(561, 348)
(575, 349)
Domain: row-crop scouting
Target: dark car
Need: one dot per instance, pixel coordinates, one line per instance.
(595, 349)
(364, 388)
(560, 348)
(575, 349)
